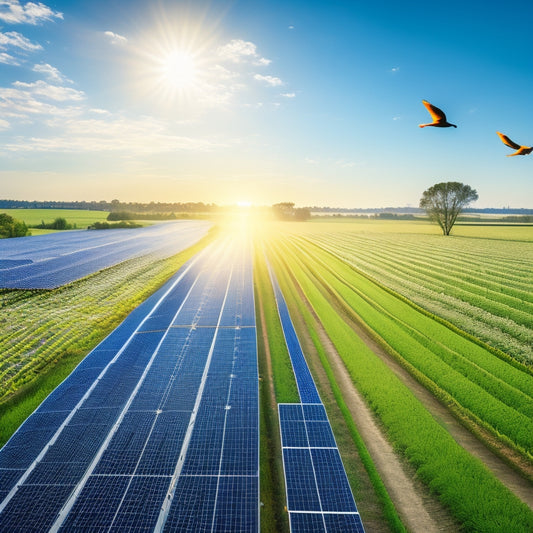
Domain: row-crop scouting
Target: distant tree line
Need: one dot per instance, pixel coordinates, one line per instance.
(129, 215)
(114, 205)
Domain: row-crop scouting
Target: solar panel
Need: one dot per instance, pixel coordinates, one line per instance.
(49, 261)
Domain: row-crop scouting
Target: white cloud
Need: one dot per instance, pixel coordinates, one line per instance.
(291, 27)
(115, 38)
(289, 95)
(99, 111)
(12, 12)
(238, 51)
(51, 92)
(6, 59)
(17, 40)
(51, 73)
(4, 125)
(269, 80)
(395, 69)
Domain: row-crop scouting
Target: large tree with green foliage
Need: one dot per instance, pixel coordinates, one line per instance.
(10, 227)
(444, 201)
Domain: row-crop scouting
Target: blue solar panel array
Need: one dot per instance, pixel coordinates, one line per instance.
(319, 497)
(158, 428)
(49, 261)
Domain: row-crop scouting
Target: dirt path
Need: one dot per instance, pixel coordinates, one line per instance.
(517, 484)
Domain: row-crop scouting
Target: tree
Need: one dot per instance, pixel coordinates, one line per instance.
(287, 211)
(10, 227)
(444, 201)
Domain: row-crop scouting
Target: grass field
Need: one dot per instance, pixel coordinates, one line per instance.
(78, 217)
(477, 384)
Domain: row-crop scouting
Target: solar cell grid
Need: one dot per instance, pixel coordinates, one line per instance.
(124, 451)
(302, 492)
(320, 435)
(164, 445)
(333, 486)
(316, 482)
(140, 509)
(33, 508)
(57, 473)
(294, 435)
(8, 478)
(307, 523)
(97, 504)
(120, 480)
(193, 504)
(339, 523)
(49, 261)
(236, 504)
(240, 453)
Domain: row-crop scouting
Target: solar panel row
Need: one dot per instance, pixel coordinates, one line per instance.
(171, 386)
(49, 261)
(304, 379)
(319, 497)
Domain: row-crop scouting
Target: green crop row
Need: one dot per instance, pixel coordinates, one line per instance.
(473, 495)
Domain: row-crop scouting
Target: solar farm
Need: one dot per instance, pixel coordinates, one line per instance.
(157, 428)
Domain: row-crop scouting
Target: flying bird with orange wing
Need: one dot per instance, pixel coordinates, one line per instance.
(438, 116)
(520, 150)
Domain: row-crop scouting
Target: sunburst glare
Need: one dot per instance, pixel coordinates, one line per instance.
(178, 69)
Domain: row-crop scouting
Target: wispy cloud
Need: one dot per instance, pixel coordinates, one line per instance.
(16, 40)
(52, 73)
(395, 69)
(111, 134)
(273, 81)
(4, 125)
(7, 59)
(238, 51)
(288, 95)
(115, 38)
(13, 12)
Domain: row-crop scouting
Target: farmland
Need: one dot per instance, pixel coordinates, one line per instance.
(483, 386)
(454, 313)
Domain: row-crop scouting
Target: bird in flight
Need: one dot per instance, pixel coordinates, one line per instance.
(520, 150)
(438, 116)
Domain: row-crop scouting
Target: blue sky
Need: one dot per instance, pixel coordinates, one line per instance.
(264, 101)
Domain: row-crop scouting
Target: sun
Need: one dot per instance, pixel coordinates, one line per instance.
(178, 69)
